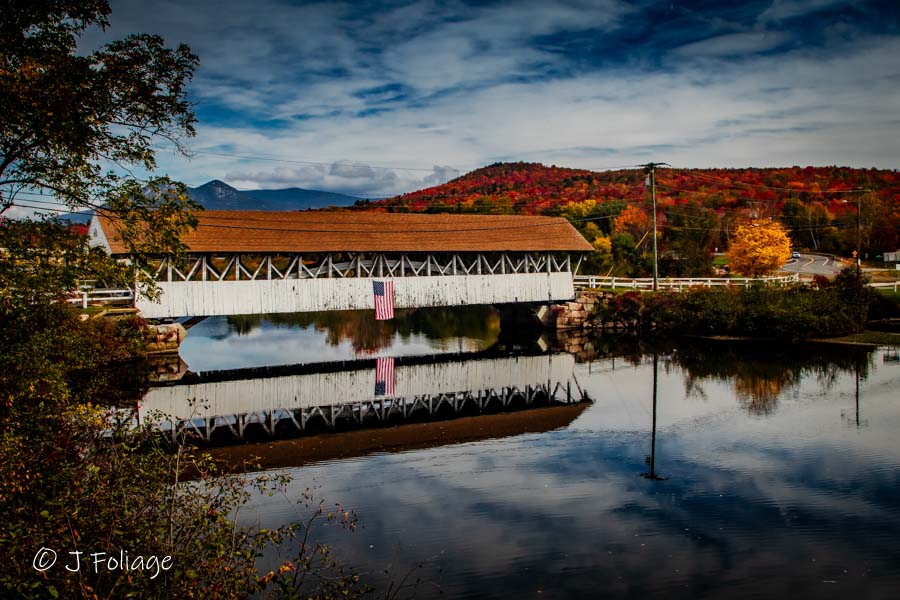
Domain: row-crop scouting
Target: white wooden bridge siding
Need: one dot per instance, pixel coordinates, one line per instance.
(216, 298)
(226, 398)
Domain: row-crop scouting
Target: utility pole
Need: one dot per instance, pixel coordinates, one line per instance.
(858, 228)
(858, 254)
(650, 168)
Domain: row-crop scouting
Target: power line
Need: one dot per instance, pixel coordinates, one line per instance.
(432, 206)
(741, 184)
(51, 202)
(326, 214)
(619, 168)
(54, 207)
(320, 163)
(670, 212)
(809, 228)
(552, 223)
(450, 208)
(45, 208)
(699, 192)
(437, 167)
(399, 200)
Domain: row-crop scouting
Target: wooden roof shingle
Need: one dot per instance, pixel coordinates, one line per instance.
(226, 231)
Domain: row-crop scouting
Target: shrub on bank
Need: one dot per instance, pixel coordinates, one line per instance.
(829, 308)
(68, 483)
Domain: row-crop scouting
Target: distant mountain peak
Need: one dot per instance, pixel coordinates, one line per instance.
(217, 183)
(218, 195)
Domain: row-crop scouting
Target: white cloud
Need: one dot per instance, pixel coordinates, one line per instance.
(736, 44)
(492, 44)
(353, 179)
(787, 9)
(468, 86)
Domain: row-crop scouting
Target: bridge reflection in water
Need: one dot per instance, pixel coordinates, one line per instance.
(254, 404)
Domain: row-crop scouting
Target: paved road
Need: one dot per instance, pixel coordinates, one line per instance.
(813, 264)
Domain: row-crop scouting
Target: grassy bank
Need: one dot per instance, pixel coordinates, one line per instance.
(873, 338)
(890, 295)
(827, 309)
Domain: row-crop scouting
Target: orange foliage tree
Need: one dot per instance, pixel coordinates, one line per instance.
(634, 222)
(759, 248)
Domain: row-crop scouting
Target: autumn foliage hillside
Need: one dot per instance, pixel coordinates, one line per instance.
(528, 188)
(533, 188)
(698, 209)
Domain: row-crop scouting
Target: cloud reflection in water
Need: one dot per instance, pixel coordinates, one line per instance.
(789, 501)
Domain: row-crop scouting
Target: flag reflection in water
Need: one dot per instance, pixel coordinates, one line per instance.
(384, 376)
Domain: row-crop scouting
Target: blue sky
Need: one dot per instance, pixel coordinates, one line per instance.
(403, 95)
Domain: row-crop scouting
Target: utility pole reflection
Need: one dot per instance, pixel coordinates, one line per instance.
(652, 458)
(855, 420)
(857, 382)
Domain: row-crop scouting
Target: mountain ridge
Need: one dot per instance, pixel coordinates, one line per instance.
(218, 195)
(534, 188)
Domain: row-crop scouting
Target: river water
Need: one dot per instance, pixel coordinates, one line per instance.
(694, 470)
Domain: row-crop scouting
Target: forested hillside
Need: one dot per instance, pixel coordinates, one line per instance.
(698, 209)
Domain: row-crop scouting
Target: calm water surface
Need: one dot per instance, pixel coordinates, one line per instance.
(248, 341)
(777, 473)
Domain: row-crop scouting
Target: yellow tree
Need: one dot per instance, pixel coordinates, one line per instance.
(600, 261)
(759, 248)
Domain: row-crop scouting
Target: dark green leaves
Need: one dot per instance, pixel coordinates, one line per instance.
(65, 119)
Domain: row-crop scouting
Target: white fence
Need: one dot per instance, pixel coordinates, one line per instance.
(895, 285)
(102, 297)
(583, 282)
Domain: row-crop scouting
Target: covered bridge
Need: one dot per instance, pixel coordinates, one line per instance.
(254, 262)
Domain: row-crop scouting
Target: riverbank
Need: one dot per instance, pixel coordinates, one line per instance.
(829, 309)
(72, 480)
(864, 338)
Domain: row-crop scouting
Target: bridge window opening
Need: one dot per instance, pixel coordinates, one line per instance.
(316, 424)
(282, 263)
(218, 266)
(258, 266)
(251, 264)
(287, 428)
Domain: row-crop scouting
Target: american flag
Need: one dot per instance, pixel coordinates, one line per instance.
(384, 300)
(384, 376)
